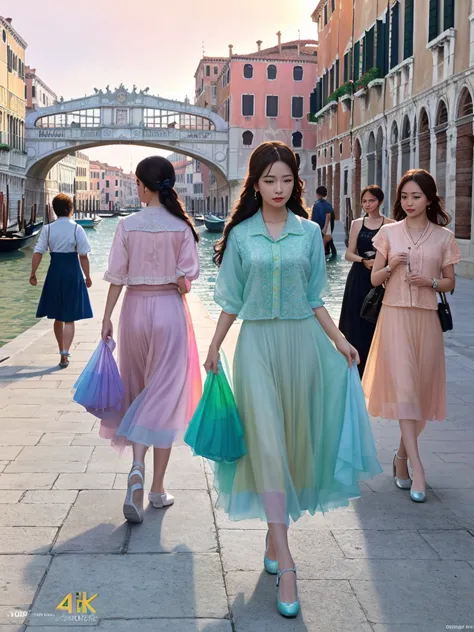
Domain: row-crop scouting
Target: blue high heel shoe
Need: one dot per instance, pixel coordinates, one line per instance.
(401, 483)
(287, 609)
(271, 566)
(417, 497)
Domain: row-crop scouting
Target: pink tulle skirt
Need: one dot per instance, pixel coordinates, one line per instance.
(405, 375)
(159, 366)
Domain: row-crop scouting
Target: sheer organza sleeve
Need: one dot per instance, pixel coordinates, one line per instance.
(451, 252)
(229, 291)
(318, 276)
(117, 270)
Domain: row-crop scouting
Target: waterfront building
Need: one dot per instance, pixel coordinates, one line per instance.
(97, 176)
(38, 93)
(129, 194)
(82, 182)
(183, 186)
(390, 97)
(263, 96)
(12, 112)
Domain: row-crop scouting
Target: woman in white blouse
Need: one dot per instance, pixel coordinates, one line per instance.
(64, 297)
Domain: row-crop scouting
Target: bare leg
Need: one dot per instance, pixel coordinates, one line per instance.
(58, 332)
(409, 430)
(161, 456)
(401, 464)
(68, 336)
(278, 549)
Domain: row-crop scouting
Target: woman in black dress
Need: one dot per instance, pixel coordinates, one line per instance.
(361, 252)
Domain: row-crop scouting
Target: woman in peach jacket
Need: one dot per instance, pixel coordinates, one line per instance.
(405, 376)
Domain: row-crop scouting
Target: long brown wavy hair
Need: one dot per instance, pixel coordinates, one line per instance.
(157, 174)
(435, 211)
(263, 157)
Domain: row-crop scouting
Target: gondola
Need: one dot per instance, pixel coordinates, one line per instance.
(214, 224)
(198, 220)
(17, 241)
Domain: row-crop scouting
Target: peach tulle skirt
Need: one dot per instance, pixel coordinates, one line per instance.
(405, 375)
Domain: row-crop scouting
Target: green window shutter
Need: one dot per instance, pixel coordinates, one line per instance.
(362, 55)
(369, 49)
(336, 79)
(346, 67)
(395, 15)
(433, 29)
(382, 48)
(356, 61)
(408, 38)
(448, 14)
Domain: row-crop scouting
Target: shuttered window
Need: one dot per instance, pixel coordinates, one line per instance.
(347, 66)
(433, 28)
(394, 35)
(448, 14)
(336, 80)
(356, 61)
(408, 36)
(272, 106)
(382, 53)
(369, 49)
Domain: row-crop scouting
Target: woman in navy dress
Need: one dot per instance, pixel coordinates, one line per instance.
(64, 297)
(361, 252)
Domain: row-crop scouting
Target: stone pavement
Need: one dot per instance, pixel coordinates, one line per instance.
(385, 564)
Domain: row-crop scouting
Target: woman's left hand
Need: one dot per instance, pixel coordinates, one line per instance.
(419, 281)
(348, 351)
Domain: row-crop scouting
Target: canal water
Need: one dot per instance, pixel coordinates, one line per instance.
(18, 299)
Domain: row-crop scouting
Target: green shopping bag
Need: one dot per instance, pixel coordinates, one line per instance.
(215, 430)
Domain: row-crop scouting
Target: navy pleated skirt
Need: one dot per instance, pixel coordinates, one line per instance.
(64, 296)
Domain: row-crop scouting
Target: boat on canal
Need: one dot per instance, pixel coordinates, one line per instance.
(88, 222)
(18, 234)
(214, 224)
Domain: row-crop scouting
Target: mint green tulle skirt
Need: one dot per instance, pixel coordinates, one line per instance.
(307, 431)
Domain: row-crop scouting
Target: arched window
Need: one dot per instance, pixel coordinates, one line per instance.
(271, 72)
(297, 139)
(465, 104)
(298, 160)
(313, 162)
(216, 70)
(248, 71)
(298, 73)
(442, 117)
(247, 138)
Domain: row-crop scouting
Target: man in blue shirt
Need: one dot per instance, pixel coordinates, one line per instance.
(323, 214)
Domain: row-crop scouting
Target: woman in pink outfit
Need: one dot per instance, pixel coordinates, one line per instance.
(154, 254)
(405, 376)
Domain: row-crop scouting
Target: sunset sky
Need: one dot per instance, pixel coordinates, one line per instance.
(78, 46)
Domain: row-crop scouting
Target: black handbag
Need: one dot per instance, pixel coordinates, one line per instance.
(444, 313)
(372, 304)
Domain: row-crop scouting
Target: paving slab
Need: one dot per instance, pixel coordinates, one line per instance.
(149, 625)
(326, 606)
(56, 439)
(20, 576)
(95, 524)
(451, 545)
(25, 515)
(10, 438)
(9, 453)
(42, 480)
(10, 495)
(417, 597)
(187, 526)
(46, 465)
(26, 540)
(92, 480)
(156, 586)
(384, 545)
(50, 497)
(243, 550)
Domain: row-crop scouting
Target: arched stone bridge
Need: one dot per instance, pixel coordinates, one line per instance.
(123, 117)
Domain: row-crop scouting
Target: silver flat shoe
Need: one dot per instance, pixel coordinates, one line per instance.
(401, 483)
(417, 497)
(131, 512)
(160, 500)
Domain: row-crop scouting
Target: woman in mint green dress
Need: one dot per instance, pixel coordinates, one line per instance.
(291, 375)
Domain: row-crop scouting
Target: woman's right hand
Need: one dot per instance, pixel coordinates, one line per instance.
(368, 263)
(212, 359)
(107, 329)
(396, 260)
